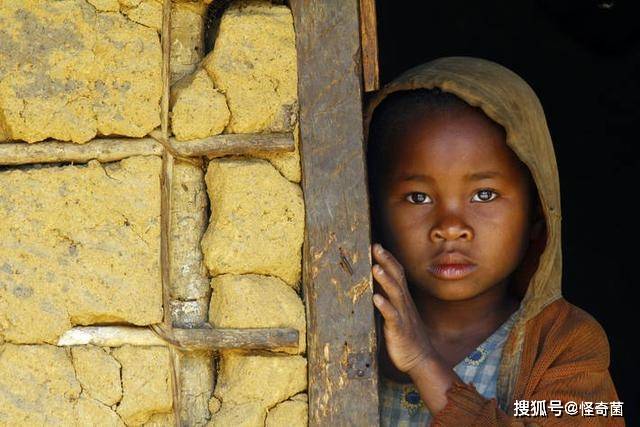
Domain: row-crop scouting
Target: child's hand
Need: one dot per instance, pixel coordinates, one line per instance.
(406, 339)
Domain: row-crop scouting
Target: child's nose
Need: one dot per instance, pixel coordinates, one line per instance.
(451, 227)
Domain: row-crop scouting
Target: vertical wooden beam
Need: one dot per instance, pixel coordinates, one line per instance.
(337, 280)
(167, 161)
(165, 205)
(369, 37)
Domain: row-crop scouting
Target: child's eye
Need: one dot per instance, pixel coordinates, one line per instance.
(417, 198)
(485, 195)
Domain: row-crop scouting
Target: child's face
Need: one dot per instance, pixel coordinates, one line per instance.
(432, 203)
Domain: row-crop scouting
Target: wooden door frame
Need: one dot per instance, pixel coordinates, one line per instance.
(337, 280)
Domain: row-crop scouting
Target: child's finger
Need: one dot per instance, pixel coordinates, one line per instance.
(393, 290)
(387, 310)
(389, 263)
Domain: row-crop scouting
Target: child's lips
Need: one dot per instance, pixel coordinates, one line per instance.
(452, 266)
(451, 271)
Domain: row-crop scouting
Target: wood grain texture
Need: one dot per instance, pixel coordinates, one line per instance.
(114, 149)
(189, 340)
(102, 149)
(337, 280)
(166, 185)
(225, 144)
(250, 338)
(369, 36)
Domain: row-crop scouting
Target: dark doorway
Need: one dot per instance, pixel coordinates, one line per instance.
(583, 60)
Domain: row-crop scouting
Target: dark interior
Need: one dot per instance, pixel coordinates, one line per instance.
(583, 60)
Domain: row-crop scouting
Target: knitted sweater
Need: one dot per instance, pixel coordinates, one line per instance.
(565, 357)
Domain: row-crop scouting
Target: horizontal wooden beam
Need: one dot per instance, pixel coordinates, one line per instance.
(217, 339)
(185, 339)
(225, 144)
(101, 149)
(110, 336)
(114, 149)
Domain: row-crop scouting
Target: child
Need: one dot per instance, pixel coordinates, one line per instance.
(465, 204)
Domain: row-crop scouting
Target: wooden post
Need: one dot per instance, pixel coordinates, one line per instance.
(369, 35)
(166, 178)
(337, 280)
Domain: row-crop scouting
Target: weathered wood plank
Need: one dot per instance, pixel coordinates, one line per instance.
(114, 149)
(225, 144)
(369, 36)
(103, 150)
(110, 336)
(189, 288)
(186, 339)
(254, 338)
(166, 184)
(337, 280)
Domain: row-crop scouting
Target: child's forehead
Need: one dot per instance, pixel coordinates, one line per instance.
(468, 131)
(455, 144)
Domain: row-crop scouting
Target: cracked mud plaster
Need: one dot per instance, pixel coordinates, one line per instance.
(187, 37)
(290, 413)
(257, 220)
(187, 27)
(198, 109)
(81, 245)
(98, 373)
(70, 71)
(288, 163)
(146, 383)
(254, 63)
(254, 301)
(46, 385)
(249, 386)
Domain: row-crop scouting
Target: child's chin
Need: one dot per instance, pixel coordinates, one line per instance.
(453, 290)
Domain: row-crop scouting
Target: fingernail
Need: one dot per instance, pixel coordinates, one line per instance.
(378, 269)
(379, 249)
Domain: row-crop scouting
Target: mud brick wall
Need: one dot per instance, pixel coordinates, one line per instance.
(81, 241)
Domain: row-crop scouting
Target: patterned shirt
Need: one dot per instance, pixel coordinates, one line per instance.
(401, 405)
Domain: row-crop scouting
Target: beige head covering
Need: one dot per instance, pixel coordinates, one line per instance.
(508, 100)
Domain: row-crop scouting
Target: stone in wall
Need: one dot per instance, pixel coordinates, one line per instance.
(146, 383)
(98, 373)
(254, 63)
(71, 70)
(254, 301)
(80, 245)
(290, 413)
(198, 109)
(251, 384)
(257, 220)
